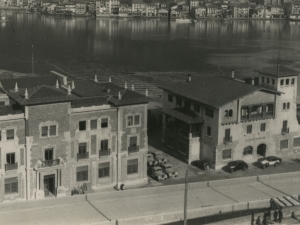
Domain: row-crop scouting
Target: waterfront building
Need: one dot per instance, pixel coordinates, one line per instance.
(157, 3)
(101, 9)
(214, 11)
(163, 13)
(270, 2)
(81, 7)
(199, 11)
(224, 119)
(61, 137)
(137, 6)
(276, 11)
(194, 3)
(71, 7)
(240, 10)
(151, 10)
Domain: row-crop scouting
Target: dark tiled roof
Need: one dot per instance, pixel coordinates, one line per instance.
(9, 110)
(214, 91)
(282, 72)
(41, 95)
(183, 114)
(87, 102)
(28, 82)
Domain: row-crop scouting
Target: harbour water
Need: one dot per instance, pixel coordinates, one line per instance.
(87, 46)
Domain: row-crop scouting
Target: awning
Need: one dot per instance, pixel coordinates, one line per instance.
(183, 114)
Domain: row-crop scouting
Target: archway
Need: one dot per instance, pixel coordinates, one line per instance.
(261, 150)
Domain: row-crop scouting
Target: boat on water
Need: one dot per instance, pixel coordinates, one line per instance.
(184, 20)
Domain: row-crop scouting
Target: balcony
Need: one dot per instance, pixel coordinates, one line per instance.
(285, 130)
(13, 166)
(227, 140)
(103, 153)
(257, 116)
(133, 149)
(82, 156)
(49, 163)
(195, 135)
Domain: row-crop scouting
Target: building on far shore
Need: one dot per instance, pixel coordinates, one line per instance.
(61, 137)
(224, 119)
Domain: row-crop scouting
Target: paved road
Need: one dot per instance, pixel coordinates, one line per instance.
(140, 202)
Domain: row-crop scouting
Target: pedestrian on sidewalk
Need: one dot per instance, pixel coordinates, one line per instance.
(280, 215)
(275, 215)
(258, 221)
(269, 221)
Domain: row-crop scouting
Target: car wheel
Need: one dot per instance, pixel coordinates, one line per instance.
(267, 164)
(156, 178)
(231, 170)
(275, 164)
(244, 168)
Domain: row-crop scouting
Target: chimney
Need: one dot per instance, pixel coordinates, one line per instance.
(73, 84)
(57, 84)
(26, 94)
(69, 90)
(96, 78)
(146, 92)
(119, 96)
(189, 77)
(252, 80)
(232, 73)
(109, 79)
(132, 87)
(16, 87)
(125, 86)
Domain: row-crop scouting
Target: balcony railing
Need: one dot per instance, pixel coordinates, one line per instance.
(49, 163)
(285, 130)
(12, 166)
(104, 153)
(82, 156)
(227, 140)
(264, 115)
(133, 149)
(195, 135)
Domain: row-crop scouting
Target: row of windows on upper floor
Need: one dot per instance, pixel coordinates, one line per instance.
(287, 81)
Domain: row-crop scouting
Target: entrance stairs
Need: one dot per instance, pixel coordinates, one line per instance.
(285, 201)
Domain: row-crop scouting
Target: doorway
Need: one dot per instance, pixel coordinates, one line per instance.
(49, 185)
(261, 150)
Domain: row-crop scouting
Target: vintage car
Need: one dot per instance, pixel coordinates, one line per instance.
(159, 157)
(269, 161)
(236, 165)
(157, 173)
(202, 164)
(151, 161)
(168, 169)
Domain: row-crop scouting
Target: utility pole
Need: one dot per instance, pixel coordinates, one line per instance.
(185, 198)
(32, 62)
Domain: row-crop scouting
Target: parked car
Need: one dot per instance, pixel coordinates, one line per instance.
(151, 161)
(236, 165)
(168, 169)
(159, 157)
(269, 161)
(157, 173)
(202, 164)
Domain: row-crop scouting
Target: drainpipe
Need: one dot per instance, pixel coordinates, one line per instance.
(118, 151)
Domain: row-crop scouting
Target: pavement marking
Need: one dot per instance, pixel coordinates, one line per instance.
(259, 190)
(274, 188)
(96, 209)
(224, 195)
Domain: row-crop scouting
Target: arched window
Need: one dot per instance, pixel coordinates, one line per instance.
(284, 105)
(288, 105)
(230, 113)
(248, 150)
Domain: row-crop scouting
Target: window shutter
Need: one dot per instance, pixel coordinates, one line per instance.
(53, 130)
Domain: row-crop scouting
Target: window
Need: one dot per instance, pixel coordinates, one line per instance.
(284, 105)
(293, 81)
(248, 150)
(288, 105)
(297, 142)
(170, 141)
(287, 81)
(133, 141)
(227, 134)
(170, 98)
(104, 144)
(269, 108)
(44, 131)
(82, 148)
(82, 125)
(178, 102)
(132, 166)
(230, 113)
(263, 79)
(263, 127)
(282, 82)
(245, 112)
(209, 112)
(284, 144)
(2, 103)
(197, 108)
(53, 130)
(10, 134)
(10, 158)
(93, 125)
(11, 185)
(48, 154)
(284, 124)
(103, 170)
(133, 120)
(273, 82)
(226, 154)
(82, 173)
(104, 122)
(268, 80)
(208, 131)
(187, 105)
(249, 129)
